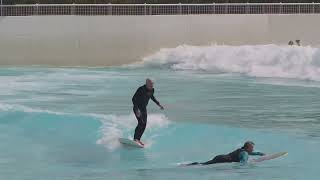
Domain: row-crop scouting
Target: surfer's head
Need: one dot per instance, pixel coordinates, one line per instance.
(248, 146)
(149, 84)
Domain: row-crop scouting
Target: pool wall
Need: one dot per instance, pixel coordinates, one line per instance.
(114, 40)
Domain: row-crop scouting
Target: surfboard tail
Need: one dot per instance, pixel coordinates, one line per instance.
(129, 142)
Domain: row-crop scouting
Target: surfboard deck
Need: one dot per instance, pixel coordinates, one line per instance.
(129, 142)
(269, 157)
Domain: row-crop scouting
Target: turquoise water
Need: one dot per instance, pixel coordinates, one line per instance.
(63, 123)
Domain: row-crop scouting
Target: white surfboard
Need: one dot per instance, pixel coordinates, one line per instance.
(268, 157)
(129, 142)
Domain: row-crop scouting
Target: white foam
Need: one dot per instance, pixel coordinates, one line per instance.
(21, 108)
(54, 79)
(115, 126)
(257, 61)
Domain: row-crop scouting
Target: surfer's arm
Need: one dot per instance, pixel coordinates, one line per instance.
(243, 156)
(156, 101)
(257, 154)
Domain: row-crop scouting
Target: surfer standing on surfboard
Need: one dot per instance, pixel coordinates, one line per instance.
(140, 101)
(240, 155)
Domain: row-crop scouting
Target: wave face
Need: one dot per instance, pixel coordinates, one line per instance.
(111, 126)
(256, 61)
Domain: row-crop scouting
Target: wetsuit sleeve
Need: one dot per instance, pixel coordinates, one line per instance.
(257, 154)
(154, 99)
(136, 97)
(243, 156)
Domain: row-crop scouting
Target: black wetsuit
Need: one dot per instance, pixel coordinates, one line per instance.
(235, 156)
(140, 101)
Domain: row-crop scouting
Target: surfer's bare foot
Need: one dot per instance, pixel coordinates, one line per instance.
(139, 142)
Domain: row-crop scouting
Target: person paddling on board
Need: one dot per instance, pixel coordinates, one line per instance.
(240, 155)
(140, 101)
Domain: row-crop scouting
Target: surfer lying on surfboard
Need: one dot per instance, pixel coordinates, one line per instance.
(240, 155)
(140, 101)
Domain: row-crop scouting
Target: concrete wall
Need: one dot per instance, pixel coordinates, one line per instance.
(114, 40)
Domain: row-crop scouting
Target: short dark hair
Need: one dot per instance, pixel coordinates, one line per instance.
(248, 143)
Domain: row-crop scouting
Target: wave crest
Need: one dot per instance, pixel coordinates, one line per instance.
(256, 61)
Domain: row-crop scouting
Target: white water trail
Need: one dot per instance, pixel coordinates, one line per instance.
(116, 126)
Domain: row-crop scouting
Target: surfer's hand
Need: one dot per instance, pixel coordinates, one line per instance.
(138, 113)
(161, 107)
